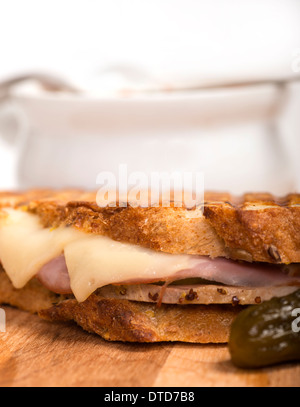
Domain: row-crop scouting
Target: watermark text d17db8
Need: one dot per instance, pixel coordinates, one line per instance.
(2, 320)
(180, 189)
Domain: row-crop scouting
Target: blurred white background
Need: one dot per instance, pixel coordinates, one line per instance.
(172, 43)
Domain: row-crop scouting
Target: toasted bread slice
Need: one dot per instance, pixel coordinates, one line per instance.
(255, 227)
(259, 226)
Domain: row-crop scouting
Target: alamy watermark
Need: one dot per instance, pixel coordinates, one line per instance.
(2, 320)
(178, 188)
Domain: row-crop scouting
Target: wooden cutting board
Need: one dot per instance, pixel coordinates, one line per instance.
(38, 353)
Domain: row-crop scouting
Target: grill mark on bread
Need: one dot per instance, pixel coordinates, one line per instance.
(255, 230)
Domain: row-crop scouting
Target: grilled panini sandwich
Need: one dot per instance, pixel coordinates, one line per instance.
(151, 274)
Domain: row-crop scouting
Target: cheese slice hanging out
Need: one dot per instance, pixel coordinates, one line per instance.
(25, 246)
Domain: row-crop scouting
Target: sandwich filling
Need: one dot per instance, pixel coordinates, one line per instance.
(66, 260)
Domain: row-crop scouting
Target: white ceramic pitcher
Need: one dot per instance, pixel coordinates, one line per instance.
(229, 134)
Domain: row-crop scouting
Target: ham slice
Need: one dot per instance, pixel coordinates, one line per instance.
(54, 275)
(234, 273)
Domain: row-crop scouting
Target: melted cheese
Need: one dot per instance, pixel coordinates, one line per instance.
(25, 246)
(92, 261)
(96, 261)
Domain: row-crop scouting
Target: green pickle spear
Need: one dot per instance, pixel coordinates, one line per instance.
(267, 334)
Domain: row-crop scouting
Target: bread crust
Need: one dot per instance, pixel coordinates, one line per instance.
(254, 227)
(128, 321)
(266, 230)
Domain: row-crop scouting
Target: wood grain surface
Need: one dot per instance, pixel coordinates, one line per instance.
(37, 353)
